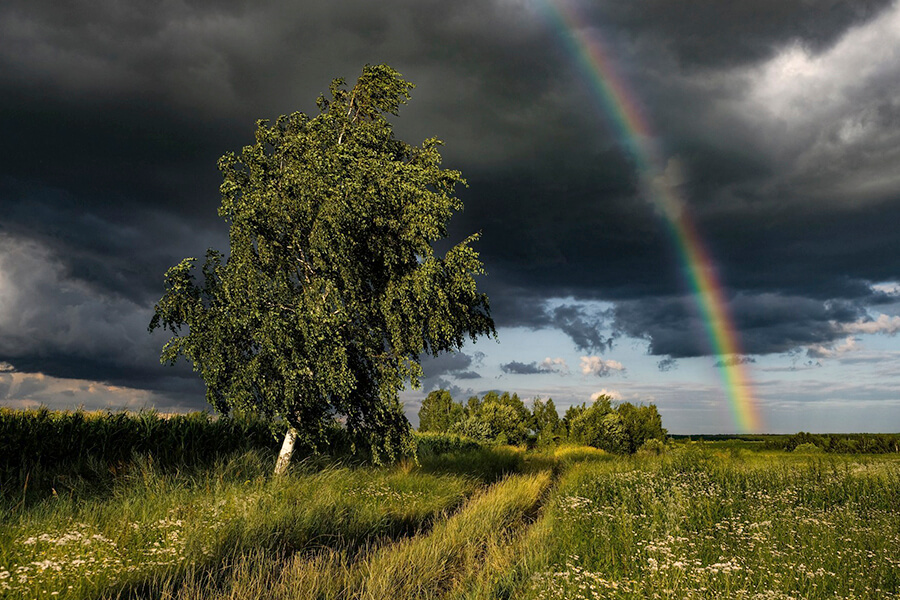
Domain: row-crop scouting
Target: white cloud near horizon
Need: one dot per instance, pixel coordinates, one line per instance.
(554, 365)
(883, 324)
(832, 350)
(594, 365)
(33, 390)
(613, 394)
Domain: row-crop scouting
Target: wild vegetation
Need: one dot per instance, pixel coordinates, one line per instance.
(505, 419)
(466, 519)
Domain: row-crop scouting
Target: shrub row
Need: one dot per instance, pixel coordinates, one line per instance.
(843, 443)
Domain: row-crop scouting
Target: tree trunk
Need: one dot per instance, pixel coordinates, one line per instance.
(287, 449)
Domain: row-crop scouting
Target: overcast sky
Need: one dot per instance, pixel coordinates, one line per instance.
(782, 116)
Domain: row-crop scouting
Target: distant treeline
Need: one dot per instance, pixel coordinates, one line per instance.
(837, 443)
(504, 418)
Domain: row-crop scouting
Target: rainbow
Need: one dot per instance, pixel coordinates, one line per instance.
(621, 107)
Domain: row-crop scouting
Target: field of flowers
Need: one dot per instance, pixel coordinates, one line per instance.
(697, 521)
(743, 526)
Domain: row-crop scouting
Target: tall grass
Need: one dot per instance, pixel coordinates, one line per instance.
(462, 522)
(696, 524)
(43, 450)
(443, 562)
(158, 526)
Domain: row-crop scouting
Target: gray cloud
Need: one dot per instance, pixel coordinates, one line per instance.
(519, 368)
(732, 361)
(769, 323)
(55, 323)
(667, 364)
(548, 365)
(442, 371)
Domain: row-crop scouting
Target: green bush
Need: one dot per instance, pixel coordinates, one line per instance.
(652, 447)
(808, 448)
(620, 430)
(432, 443)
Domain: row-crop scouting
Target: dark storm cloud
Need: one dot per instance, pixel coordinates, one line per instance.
(667, 364)
(708, 33)
(520, 307)
(111, 111)
(57, 324)
(442, 371)
(114, 116)
(467, 375)
(769, 323)
(519, 368)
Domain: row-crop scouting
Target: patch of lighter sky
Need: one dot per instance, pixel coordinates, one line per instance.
(825, 119)
(7, 290)
(689, 397)
(32, 390)
(856, 389)
(891, 288)
(797, 85)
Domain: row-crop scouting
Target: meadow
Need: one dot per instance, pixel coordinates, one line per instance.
(698, 520)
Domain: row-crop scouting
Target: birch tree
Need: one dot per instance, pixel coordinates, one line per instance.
(331, 289)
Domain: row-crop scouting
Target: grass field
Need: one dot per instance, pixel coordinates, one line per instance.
(699, 521)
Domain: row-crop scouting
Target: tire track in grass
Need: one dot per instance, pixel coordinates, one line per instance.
(456, 550)
(438, 564)
(510, 566)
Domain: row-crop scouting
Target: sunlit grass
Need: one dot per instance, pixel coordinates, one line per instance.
(442, 562)
(157, 526)
(697, 521)
(700, 524)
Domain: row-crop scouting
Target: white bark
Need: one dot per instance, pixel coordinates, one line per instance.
(287, 449)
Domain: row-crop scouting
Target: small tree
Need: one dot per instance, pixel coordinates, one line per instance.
(498, 417)
(642, 423)
(546, 421)
(331, 290)
(621, 430)
(572, 413)
(439, 412)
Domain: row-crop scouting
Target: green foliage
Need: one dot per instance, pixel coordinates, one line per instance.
(505, 424)
(431, 443)
(439, 412)
(808, 449)
(500, 418)
(652, 447)
(331, 290)
(548, 428)
(42, 449)
(838, 443)
(569, 417)
(475, 428)
(621, 430)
